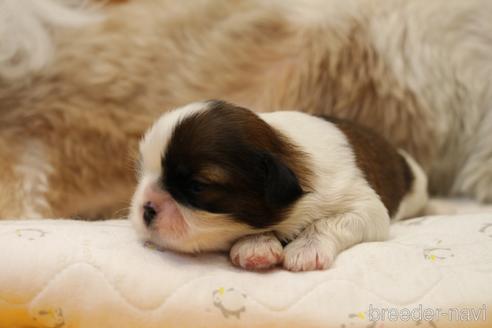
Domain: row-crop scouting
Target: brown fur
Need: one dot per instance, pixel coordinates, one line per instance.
(256, 176)
(214, 174)
(378, 160)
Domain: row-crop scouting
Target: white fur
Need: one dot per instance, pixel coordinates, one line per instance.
(414, 201)
(212, 234)
(26, 43)
(341, 209)
(209, 233)
(155, 141)
(442, 52)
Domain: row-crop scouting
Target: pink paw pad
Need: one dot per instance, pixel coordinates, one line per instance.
(261, 262)
(257, 253)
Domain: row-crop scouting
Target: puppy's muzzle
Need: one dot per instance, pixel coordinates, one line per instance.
(159, 211)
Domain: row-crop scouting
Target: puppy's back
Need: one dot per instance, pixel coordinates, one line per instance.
(394, 175)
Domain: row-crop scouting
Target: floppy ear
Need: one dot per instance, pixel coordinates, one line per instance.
(280, 183)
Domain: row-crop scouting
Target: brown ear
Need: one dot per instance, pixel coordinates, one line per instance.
(281, 184)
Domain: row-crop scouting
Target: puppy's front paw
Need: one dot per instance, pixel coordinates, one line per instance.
(307, 255)
(257, 252)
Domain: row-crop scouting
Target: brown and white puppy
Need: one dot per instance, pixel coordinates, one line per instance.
(214, 175)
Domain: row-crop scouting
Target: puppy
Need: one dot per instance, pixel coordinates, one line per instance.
(214, 175)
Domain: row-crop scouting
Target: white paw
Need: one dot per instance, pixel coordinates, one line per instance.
(308, 255)
(257, 252)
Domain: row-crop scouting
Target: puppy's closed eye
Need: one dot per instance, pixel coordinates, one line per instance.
(197, 187)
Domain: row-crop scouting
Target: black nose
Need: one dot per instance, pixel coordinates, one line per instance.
(149, 213)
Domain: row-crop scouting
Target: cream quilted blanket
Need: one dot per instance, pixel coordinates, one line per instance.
(63, 273)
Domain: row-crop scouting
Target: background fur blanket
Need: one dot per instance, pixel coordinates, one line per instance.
(80, 82)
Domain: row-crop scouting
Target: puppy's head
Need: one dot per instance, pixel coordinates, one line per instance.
(212, 172)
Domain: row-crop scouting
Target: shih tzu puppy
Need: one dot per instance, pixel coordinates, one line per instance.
(218, 177)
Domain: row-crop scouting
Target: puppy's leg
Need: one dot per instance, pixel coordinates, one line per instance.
(319, 243)
(257, 252)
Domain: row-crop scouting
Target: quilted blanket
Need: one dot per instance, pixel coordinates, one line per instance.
(434, 272)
